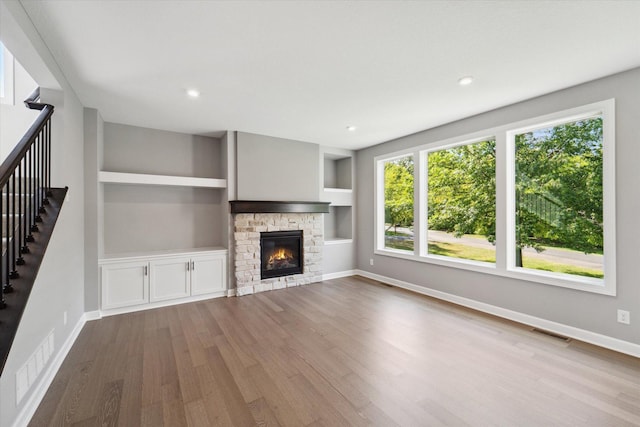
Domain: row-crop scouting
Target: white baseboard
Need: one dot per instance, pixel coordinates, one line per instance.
(40, 389)
(600, 340)
(338, 275)
(93, 315)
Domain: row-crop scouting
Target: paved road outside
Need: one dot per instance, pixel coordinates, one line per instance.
(561, 256)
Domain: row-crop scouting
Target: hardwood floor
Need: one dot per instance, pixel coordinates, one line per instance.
(342, 352)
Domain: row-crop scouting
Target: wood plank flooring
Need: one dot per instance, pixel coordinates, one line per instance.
(345, 352)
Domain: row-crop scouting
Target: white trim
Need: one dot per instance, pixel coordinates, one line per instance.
(40, 389)
(146, 179)
(586, 284)
(337, 241)
(594, 338)
(337, 190)
(338, 275)
(171, 253)
(93, 315)
(505, 203)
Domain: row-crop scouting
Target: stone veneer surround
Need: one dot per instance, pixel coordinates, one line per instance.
(247, 229)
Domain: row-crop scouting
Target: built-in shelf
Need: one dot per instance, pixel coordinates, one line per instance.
(338, 190)
(146, 179)
(337, 241)
(168, 253)
(338, 224)
(337, 171)
(338, 196)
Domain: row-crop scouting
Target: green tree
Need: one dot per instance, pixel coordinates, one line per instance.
(561, 166)
(398, 192)
(558, 187)
(462, 190)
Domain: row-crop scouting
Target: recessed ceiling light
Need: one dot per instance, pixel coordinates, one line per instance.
(193, 93)
(351, 128)
(465, 81)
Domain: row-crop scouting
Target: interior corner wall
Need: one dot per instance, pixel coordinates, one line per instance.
(276, 169)
(93, 201)
(59, 286)
(579, 309)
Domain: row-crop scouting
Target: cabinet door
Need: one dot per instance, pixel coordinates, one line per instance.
(208, 274)
(125, 284)
(169, 279)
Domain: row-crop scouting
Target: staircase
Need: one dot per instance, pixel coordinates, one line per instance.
(30, 208)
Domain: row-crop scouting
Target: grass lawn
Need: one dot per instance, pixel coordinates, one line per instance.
(456, 250)
(538, 264)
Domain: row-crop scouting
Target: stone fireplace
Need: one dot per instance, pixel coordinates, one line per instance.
(281, 224)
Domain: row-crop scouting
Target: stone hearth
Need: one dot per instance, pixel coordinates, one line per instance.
(247, 228)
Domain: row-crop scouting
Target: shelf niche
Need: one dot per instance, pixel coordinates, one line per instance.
(338, 224)
(337, 171)
(161, 190)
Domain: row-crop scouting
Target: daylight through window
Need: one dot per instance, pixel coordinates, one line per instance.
(461, 202)
(533, 200)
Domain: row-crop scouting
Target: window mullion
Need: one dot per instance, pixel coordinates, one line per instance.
(420, 203)
(505, 234)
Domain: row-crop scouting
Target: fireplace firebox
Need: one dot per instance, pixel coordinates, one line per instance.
(280, 253)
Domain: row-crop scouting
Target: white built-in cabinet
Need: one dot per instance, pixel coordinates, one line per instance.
(146, 280)
(124, 284)
(163, 218)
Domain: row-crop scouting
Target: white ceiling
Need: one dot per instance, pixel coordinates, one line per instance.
(306, 70)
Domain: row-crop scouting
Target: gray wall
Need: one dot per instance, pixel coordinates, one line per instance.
(276, 169)
(154, 218)
(150, 151)
(59, 286)
(139, 218)
(337, 173)
(592, 312)
(16, 119)
(337, 258)
(93, 206)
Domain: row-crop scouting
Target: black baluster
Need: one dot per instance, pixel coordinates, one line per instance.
(11, 232)
(27, 206)
(24, 218)
(6, 271)
(36, 184)
(29, 196)
(41, 191)
(21, 227)
(2, 262)
(49, 193)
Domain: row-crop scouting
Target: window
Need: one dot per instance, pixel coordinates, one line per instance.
(6, 76)
(535, 201)
(461, 201)
(398, 203)
(559, 212)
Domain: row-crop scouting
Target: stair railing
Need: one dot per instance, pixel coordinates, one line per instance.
(25, 180)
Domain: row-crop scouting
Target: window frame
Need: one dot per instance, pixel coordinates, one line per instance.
(504, 137)
(379, 201)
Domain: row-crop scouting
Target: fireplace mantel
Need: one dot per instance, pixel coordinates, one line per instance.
(260, 206)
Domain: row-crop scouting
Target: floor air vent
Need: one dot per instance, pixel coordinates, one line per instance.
(551, 334)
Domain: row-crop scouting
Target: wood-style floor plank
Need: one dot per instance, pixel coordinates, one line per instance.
(349, 352)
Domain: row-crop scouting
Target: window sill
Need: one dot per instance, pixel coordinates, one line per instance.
(585, 284)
